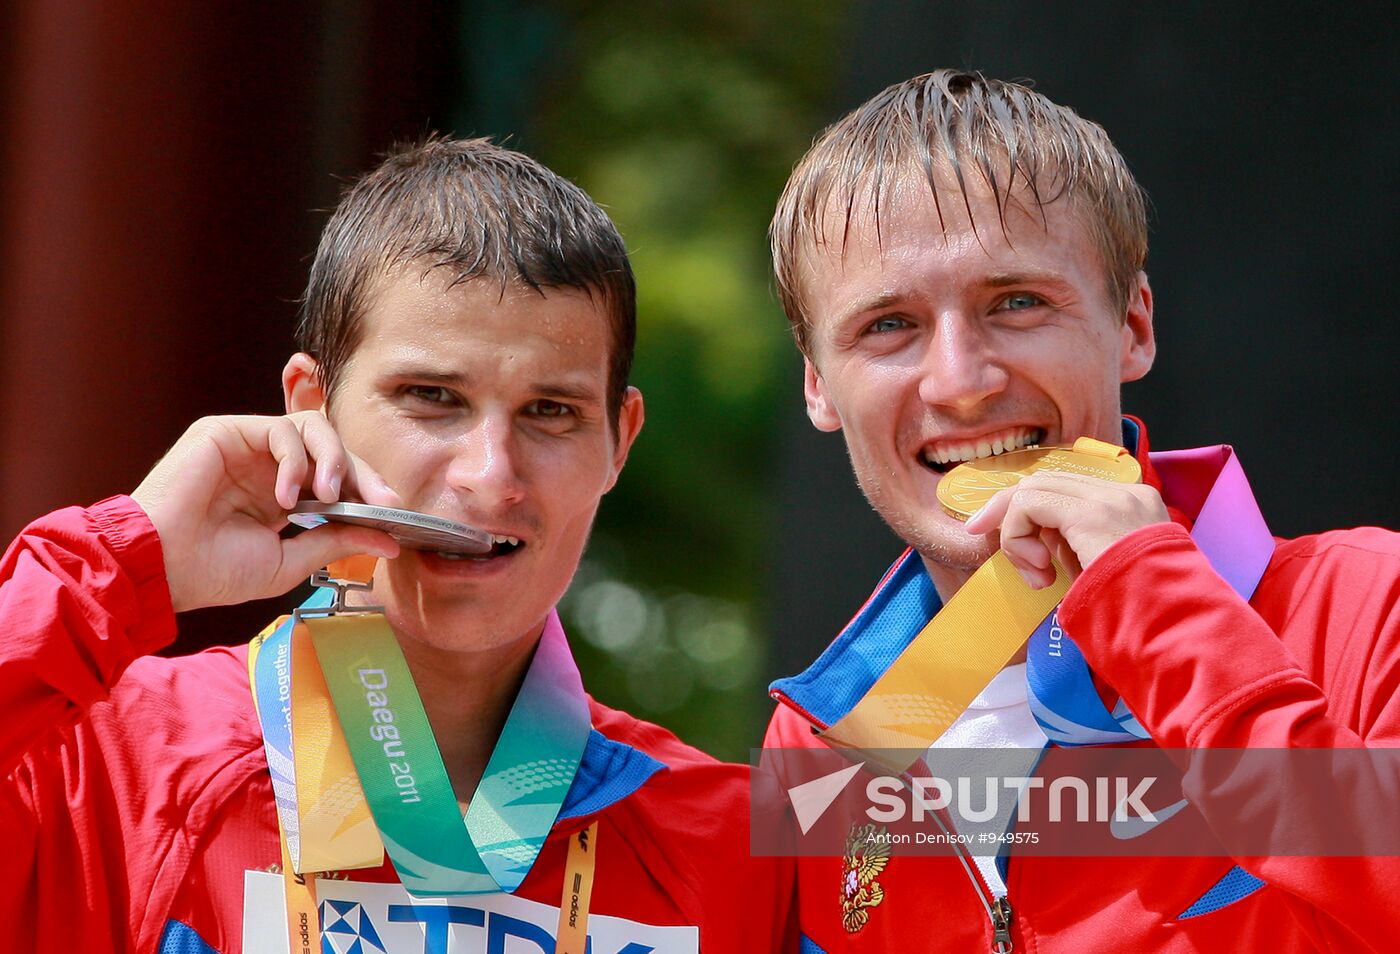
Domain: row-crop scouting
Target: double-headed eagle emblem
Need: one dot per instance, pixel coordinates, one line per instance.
(867, 854)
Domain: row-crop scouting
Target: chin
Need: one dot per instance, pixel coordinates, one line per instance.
(957, 552)
(941, 540)
(446, 629)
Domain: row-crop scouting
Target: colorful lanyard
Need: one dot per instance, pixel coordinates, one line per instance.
(270, 673)
(406, 783)
(272, 704)
(377, 721)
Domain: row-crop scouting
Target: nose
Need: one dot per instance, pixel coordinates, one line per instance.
(960, 368)
(485, 464)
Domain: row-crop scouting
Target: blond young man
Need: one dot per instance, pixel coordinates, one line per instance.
(961, 261)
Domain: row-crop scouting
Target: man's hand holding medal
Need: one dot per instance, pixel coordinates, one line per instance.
(1047, 504)
(221, 496)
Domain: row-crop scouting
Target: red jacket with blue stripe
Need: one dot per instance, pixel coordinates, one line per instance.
(1311, 661)
(135, 792)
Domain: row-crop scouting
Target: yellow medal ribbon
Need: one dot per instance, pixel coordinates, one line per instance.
(303, 922)
(337, 830)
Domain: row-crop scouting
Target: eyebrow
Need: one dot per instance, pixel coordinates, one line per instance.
(1033, 276)
(429, 375)
(874, 303)
(551, 390)
(568, 392)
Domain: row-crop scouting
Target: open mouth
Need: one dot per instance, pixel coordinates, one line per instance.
(942, 456)
(501, 545)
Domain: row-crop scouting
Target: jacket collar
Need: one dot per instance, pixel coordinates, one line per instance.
(608, 772)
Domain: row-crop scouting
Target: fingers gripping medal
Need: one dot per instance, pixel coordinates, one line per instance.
(965, 489)
(979, 629)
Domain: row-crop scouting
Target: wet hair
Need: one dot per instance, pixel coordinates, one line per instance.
(1027, 150)
(478, 212)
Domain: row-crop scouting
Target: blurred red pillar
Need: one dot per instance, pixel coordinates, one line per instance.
(160, 164)
(126, 234)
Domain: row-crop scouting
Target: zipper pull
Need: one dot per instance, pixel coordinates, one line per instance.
(1001, 925)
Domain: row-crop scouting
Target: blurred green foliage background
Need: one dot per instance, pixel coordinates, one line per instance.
(683, 120)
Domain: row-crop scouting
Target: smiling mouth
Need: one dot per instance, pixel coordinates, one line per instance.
(501, 545)
(942, 456)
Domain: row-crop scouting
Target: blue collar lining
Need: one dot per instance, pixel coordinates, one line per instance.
(608, 772)
(1131, 434)
(889, 621)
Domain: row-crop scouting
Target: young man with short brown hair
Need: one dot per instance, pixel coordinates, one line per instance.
(468, 332)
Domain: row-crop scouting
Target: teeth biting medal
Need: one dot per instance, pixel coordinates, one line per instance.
(966, 488)
(418, 531)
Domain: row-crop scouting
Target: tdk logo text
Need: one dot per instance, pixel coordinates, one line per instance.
(349, 930)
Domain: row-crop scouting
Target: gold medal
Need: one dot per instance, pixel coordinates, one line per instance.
(966, 488)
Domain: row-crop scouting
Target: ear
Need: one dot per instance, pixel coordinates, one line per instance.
(820, 410)
(629, 425)
(301, 384)
(1139, 341)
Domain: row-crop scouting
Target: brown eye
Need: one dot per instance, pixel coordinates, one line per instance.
(429, 394)
(548, 408)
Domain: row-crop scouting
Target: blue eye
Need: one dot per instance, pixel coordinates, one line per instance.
(1020, 301)
(887, 324)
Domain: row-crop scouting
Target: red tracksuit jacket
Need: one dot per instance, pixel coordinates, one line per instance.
(1312, 661)
(136, 792)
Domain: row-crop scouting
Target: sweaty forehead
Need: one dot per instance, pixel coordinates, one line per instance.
(862, 219)
(866, 226)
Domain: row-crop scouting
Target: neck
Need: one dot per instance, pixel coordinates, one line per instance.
(467, 696)
(947, 580)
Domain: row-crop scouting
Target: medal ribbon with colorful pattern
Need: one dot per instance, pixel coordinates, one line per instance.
(435, 850)
(400, 769)
(406, 783)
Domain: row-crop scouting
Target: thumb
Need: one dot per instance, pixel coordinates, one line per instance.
(307, 552)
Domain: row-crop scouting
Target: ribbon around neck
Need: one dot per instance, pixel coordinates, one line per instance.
(434, 849)
(952, 659)
(270, 674)
(519, 796)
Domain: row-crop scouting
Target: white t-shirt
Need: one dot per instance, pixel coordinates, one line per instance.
(999, 718)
